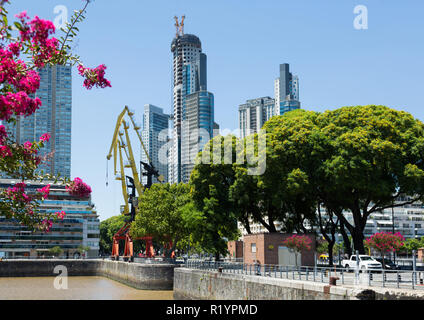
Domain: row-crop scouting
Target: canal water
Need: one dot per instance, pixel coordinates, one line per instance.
(79, 288)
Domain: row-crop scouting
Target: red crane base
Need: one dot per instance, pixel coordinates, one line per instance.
(123, 234)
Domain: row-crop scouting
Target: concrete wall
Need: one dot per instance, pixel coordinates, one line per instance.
(140, 276)
(211, 285)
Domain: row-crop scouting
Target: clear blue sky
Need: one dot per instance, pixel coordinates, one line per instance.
(245, 41)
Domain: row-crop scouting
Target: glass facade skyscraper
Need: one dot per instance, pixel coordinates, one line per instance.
(155, 136)
(197, 130)
(53, 117)
(286, 91)
(193, 105)
(255, 112)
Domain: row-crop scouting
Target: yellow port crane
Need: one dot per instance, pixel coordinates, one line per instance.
(121, 141)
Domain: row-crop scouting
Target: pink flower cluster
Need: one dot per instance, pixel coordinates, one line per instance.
(298, 242)
(78, 188)
(37, 31)
(25, 81)
(16, 73)
(17, 104)
(17, 193)
(61, 215)
(45, 137)
(5, 151)
(3, 134)
(94, 77)
(386, 241)
(46, 225)
(44, 191)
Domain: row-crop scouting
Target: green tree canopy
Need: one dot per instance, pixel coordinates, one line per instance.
(162, 215)
(108, 228)
(360, 159)
(210, 182)
(55, 251)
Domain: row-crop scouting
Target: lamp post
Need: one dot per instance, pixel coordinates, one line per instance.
(393, 231)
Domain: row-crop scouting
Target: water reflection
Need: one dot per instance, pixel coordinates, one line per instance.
(79, 288)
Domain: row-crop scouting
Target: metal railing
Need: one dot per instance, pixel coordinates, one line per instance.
(377, 278)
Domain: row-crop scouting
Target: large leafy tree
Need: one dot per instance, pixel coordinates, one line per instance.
(163, 214)
(374, 156)
(283, 193)
(210, 182)
(360, 159)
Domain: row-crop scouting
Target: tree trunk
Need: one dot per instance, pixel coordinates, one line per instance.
(358, 240)
(330, 252)
(346, 240)
(384, 265)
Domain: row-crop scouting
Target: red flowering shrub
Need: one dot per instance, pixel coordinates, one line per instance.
(385, 242)
(298, 243)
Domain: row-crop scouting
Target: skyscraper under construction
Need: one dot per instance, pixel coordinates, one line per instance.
(189, 87)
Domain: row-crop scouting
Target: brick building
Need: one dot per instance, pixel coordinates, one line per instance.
(235, 249)
(268, 249)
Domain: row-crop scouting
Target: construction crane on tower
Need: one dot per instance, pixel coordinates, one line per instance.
(132, 187)
(179, 26)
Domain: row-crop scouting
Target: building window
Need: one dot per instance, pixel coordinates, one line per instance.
(253, 247)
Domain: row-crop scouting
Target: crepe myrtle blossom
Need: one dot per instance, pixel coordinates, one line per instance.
(94, 77)
(45, 137)
(298, 242)
(35, 43)
(61, 215)
(46, 225)
(3, 134)
(5, 152)
(78, 188)
(386, 242)
(44, 191)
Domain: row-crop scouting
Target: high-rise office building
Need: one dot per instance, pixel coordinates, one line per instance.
(189, 94)
(197, 129)
(155, 136)
(254, 113)
(53, 117)
(286, 90)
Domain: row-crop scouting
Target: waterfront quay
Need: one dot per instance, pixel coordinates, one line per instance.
(195, 280)
(143, 276)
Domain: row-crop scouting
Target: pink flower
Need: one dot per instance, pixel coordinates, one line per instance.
(94, 77)
(15, 48)
(5, 151)
(46, 225)
(78, 188)
(45, 137)
(44, 191)
(61, 214)
(3, 134)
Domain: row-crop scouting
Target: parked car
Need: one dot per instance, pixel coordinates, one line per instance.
(388, 264)
(366, 263)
